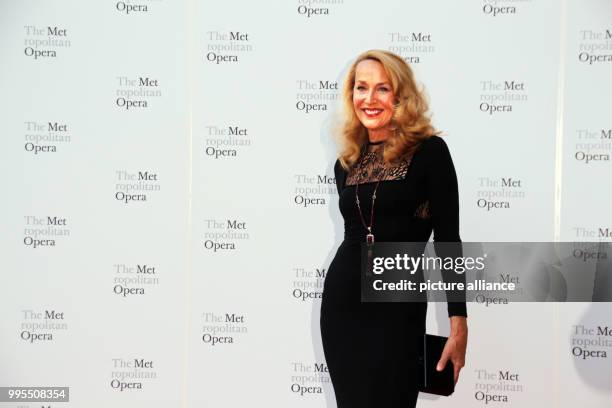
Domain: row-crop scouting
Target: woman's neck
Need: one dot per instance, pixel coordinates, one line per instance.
(378, 135)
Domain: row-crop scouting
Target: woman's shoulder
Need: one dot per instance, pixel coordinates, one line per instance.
(338, 169)
(339, 175)
(433, 142)
(337, 165)
(434, 147)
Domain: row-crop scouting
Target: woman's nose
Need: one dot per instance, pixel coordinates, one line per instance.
(369, 96)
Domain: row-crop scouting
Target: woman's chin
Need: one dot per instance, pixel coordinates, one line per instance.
(372, 125)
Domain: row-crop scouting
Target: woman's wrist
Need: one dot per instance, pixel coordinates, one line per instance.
(458, 325)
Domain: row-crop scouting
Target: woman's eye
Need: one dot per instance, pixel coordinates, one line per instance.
(383, 89)
(360, 88)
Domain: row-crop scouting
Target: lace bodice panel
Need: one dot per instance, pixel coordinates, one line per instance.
(371, 168)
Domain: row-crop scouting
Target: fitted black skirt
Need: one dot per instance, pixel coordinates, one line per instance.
(370, 348)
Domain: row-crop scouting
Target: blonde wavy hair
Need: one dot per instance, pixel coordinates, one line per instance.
(410, 123)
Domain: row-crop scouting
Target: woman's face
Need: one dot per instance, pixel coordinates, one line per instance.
(373, 97)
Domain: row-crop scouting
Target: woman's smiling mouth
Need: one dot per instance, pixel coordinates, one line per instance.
(372, 112)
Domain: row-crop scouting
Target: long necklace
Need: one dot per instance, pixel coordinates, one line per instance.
(370, 235)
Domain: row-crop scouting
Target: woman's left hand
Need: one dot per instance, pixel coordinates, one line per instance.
(455, 347)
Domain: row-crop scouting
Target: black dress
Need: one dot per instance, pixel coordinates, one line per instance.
(371, 348)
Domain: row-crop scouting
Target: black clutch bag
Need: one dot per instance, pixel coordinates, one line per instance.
(430, 380)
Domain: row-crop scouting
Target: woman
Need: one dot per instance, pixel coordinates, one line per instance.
(396, 182)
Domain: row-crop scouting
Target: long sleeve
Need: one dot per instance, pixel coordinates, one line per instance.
(340, 175)
(442, 190)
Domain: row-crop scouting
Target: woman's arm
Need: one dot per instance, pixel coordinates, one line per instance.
(456, 345)
(443, 194)
(340, 175)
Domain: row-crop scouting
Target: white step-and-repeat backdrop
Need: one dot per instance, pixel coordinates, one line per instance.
(169, 209)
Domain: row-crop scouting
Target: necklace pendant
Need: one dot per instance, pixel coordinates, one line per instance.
(370, 239)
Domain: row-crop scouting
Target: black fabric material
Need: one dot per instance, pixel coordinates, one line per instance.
(371, 349)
